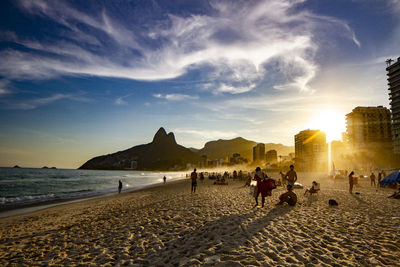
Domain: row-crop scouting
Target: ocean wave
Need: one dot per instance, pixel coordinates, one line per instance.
(24, 199)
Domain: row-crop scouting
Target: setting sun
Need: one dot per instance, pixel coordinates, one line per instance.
(329, 121)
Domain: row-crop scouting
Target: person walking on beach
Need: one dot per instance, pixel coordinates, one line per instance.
(119, 186)
(258, 176)
(165, 179)
(351, 182)
(291, 176)
(193, 176)
(372, 177)
(289, 197)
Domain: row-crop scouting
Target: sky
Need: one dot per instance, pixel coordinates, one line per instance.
(85, 78)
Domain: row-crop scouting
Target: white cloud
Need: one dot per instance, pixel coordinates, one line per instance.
(235, 43)
(175, 97)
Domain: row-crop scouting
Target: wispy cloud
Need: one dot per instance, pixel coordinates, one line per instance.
(175, 97)
(120, 100)
(233, 44)
(3, 87)
(206, 134)
(37, 102)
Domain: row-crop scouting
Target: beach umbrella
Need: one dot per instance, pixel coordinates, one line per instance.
(391, 179)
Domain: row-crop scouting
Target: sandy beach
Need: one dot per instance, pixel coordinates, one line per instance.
(217, 226)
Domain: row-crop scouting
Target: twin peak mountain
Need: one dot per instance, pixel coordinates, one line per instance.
(163, 153)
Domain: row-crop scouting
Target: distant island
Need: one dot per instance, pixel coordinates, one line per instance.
(163, 153)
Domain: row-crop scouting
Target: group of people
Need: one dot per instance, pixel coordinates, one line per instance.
(372, 177)
(265, 185)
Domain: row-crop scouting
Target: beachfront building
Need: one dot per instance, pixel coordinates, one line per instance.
(393, 73)
(271, 156)
(311, 151)
(369, 129)
(259, 152)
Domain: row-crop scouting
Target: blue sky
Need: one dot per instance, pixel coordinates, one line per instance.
(83, 78)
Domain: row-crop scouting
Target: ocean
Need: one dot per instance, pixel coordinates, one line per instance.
(25, 186)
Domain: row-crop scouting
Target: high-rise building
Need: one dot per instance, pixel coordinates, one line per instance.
(369, 128)
(271, 156)
(393, 73)
(259, 152)
(311, 150)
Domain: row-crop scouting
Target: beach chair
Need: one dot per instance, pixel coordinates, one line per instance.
(314, 192)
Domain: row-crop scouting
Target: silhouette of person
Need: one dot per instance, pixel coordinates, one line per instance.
(291, 176)
(119, 186)
(193, 176)
(289, 197)
(379, 179)
(165, 179)
(351, 182)
(372, 177)
(259, 177)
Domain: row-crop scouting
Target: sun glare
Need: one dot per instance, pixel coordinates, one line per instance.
(331, 122)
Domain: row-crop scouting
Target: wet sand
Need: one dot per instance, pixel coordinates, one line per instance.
(217, 226)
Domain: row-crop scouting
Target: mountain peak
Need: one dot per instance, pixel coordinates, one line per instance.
(161, 154)
(162, 137)
(171, 138)
(160, 134)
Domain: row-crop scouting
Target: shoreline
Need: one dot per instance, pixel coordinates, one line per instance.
(16, 210)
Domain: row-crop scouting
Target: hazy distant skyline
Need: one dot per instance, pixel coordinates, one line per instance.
(85, 78)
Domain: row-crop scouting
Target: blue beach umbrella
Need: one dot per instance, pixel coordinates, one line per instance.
(391, 179)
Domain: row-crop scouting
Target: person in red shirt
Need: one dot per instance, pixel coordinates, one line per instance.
(263, 186)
